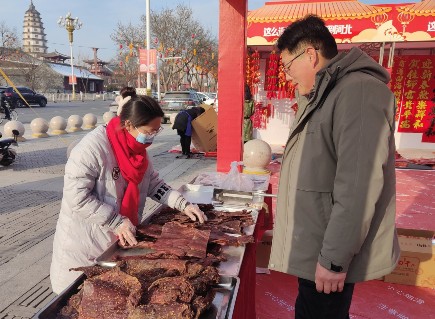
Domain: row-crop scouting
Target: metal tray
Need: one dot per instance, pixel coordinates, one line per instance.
(221, 308)
(197, 194)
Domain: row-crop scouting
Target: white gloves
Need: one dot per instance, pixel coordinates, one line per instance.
(194, 213)
(126, 232)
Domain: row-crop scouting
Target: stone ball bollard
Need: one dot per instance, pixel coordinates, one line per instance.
(89, 121)
(39, 127)
(14, 125)
(108, 116)
(75, 123)
(256, 156)
(58, 125)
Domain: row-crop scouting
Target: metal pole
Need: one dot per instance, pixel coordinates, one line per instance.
(391, 56)
(381, 53)
(148, 46)
(138, 69)
(72, 72)
(158, 79)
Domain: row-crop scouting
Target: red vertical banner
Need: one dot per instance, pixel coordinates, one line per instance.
(72, 79)
(406, 117)
(148, 61)
(416, 87)
(396, 84)
(426, 87)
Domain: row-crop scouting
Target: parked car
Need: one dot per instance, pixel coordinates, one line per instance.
(205, 98)
(176, 101)
(29, 95)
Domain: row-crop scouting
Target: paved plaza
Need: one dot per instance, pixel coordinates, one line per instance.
(30, 196)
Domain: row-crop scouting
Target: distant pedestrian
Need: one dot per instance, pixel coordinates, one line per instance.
(183, 125)
(4, 106)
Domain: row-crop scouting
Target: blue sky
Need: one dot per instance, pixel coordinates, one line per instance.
(100, 18)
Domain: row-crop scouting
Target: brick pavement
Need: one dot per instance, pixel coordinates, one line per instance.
(30, 196)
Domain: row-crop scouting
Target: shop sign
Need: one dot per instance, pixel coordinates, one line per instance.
(385, 27)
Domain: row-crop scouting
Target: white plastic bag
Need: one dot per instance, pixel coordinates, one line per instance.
(234, 180)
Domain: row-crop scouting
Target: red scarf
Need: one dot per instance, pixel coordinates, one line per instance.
(133, 162)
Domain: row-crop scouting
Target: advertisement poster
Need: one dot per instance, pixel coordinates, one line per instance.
(148, 62)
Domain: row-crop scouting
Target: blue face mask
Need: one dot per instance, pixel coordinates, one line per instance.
(144, 138)
(147, 138)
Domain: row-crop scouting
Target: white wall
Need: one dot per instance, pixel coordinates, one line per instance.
(411, 141)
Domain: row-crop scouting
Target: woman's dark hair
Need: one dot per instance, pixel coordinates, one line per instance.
(140, 111)
(310, 30)
(128, 91)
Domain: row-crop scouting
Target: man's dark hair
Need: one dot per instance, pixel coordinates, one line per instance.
(141, 111)
(310, 30)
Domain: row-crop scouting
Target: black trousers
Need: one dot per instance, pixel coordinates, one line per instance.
(6, 109)
(311, 304)
(185, 142)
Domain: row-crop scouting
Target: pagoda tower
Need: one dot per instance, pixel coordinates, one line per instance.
(34, 41)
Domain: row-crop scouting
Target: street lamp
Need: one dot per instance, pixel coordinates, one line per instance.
(70, 24)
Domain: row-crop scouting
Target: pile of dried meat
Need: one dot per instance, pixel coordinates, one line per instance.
(142, 289)
(175, 234)
(174, 280)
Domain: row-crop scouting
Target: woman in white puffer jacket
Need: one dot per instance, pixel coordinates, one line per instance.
(107, 179)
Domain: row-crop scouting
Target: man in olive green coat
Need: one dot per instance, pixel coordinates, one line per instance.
(335, 222)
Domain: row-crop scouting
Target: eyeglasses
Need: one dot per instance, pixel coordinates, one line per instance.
(153, 133)
(286, 68)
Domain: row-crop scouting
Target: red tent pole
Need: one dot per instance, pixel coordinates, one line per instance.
(231, 76)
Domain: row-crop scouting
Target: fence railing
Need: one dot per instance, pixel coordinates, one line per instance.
(67, 97)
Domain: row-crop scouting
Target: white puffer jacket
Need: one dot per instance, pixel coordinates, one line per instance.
(92, 194)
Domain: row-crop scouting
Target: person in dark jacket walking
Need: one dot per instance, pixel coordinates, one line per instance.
(183, 125)
(4, 106)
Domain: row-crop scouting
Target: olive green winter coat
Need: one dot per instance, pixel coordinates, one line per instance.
(337, 197)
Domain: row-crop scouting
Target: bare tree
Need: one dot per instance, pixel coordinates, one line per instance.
(175, 34)
(8, 39)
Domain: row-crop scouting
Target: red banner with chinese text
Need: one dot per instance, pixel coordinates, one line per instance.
(413, 82)
(148, 61)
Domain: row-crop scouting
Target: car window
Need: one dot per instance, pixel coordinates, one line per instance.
(176, 95)
(24, 90)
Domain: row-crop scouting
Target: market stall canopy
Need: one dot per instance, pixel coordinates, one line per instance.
(424, 8)
(350, 21)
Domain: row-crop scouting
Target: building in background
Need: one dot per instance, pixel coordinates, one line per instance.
(34, 41)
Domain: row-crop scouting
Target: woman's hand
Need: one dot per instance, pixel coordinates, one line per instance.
(194, 212)
(126, 232)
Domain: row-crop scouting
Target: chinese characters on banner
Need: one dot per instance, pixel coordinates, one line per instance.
(413, 82)
(144, 67)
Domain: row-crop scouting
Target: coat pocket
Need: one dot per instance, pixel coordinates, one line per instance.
(328, 202)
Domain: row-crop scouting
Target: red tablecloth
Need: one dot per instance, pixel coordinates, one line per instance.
(245, 302)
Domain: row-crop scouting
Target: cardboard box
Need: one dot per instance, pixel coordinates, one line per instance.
(264, 248)
(204, 131)
(417, 259)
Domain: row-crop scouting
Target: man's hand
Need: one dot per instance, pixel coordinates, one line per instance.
(328, 281)
(194, 212)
